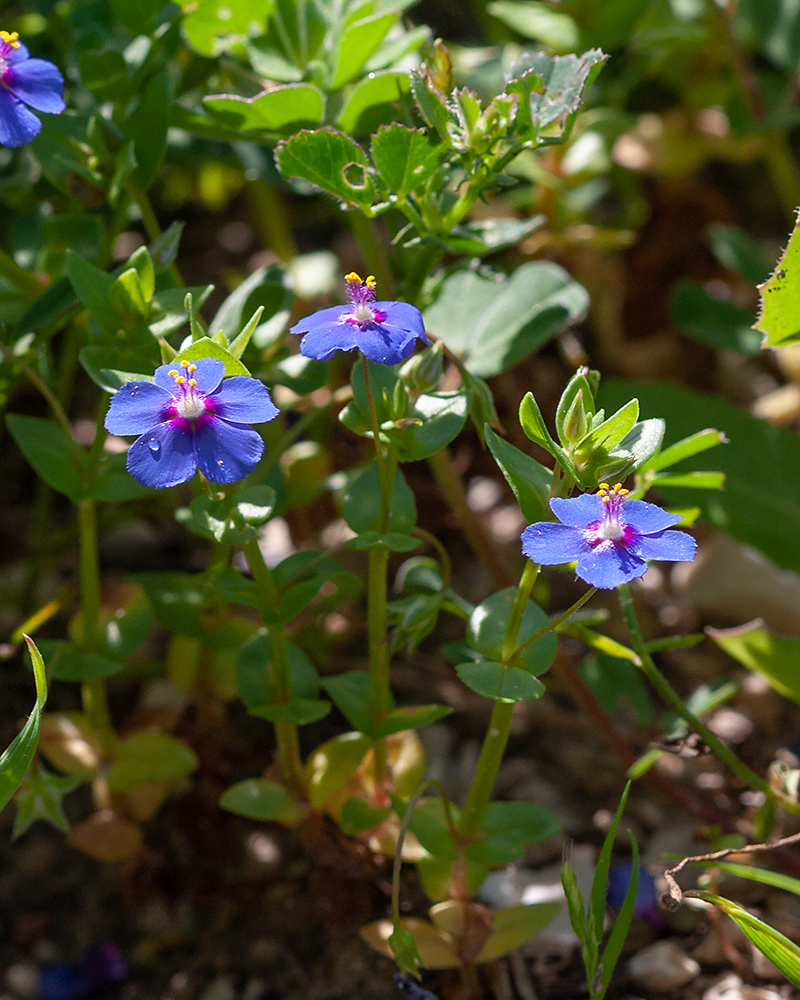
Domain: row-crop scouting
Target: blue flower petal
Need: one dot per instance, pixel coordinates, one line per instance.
(135, 407)
(403, 316)
(550, 544)
(608, 565)
(226, 452)
(244, 400)
(578, 512)
(17, 125)
(16, 55)
(646, 518)
(324, 317)
(322, 342)
(209, 373)
(39, 84)
(163, 456)
(671, 546)
(385, 344)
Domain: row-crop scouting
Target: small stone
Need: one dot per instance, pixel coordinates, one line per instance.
(22, 978)
(662, 966)
(255, 989)
(731, 988)
(221, 988)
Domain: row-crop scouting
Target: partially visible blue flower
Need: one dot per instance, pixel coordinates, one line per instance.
(188, 419)
(609, 535)
(385, 332)
(23, 80)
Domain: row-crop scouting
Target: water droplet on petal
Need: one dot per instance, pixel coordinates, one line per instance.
(154, 446)
(220, 463)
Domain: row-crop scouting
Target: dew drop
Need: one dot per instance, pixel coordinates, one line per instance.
(220, 463)
(154, 446)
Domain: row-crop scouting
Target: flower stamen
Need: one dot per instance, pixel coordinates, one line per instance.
(10, 38)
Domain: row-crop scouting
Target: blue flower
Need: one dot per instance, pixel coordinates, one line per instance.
(384, 332)
(23, 80)
(190, 419)
(609, 535)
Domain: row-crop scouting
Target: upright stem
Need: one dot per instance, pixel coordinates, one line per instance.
(285, 732)
(93, 691)
(377, 617)
(671, 697)
(150, 221)
(494, 743)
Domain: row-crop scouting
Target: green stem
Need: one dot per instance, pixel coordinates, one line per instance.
(441, 552)
(671, 697)
(373, 252)
(494, 743)
(552, 624)
(24, 281)
(271, 219)
(285, 732)
(93, 691)
(150, 222)
(377, 616)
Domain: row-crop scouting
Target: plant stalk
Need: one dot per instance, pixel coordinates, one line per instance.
(671, 697)
(285, 732)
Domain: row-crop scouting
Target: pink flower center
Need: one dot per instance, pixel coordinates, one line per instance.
(362, 296)
(611, 527)
(189, 402)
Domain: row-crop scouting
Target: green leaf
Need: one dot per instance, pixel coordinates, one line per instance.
(739, 252)
(610, 433)
(714, 321)
(597, 904)
(619, 932)
(532, 423)
(782, 952)
(92, 286)
(358, 41)
(74, 665)
(351, 694)
(297, 712)
(332, 764)
(412, 717)
(438, 418)
(330, 160)
(207, 348)
(405, 950)
(690, 446)
(361, 503)
(493, 680)
(487, 630)
(258, 798)
(538, 21)
(760, 504)
(529, 480)
(233, 519)
(694, 480)
(269, 288)
(483, 236)
(373, 102)
(16, 758)
(149, 757)
(147, 126)
(46, 446)
(510, 827)
(212, 26)
(643, 440)
(138, 16)
(550, 89)
(254, 680)
(575, 906)
(779, 316)
(40, 796)
(281, 111)
(358, 815)
(514, 926)
(105, 74)
(493, 324)
(755, 647)
(129, 628)
(405, 157)
(125, 295)
(761, 875)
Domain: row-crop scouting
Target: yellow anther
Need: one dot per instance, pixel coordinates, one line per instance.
(10, 38)
(604, 486)
(192, 368)
(173, 373)
(352, 278)
(184, 364)
(606, 499)
(192, 381)
(180, 379)
(370, 282)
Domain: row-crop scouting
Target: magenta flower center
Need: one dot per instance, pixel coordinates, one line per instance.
(610, 528)
(190, 403)
(362, 296)
(8, 42)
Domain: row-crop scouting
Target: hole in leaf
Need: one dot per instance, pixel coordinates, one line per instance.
(355, 175)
